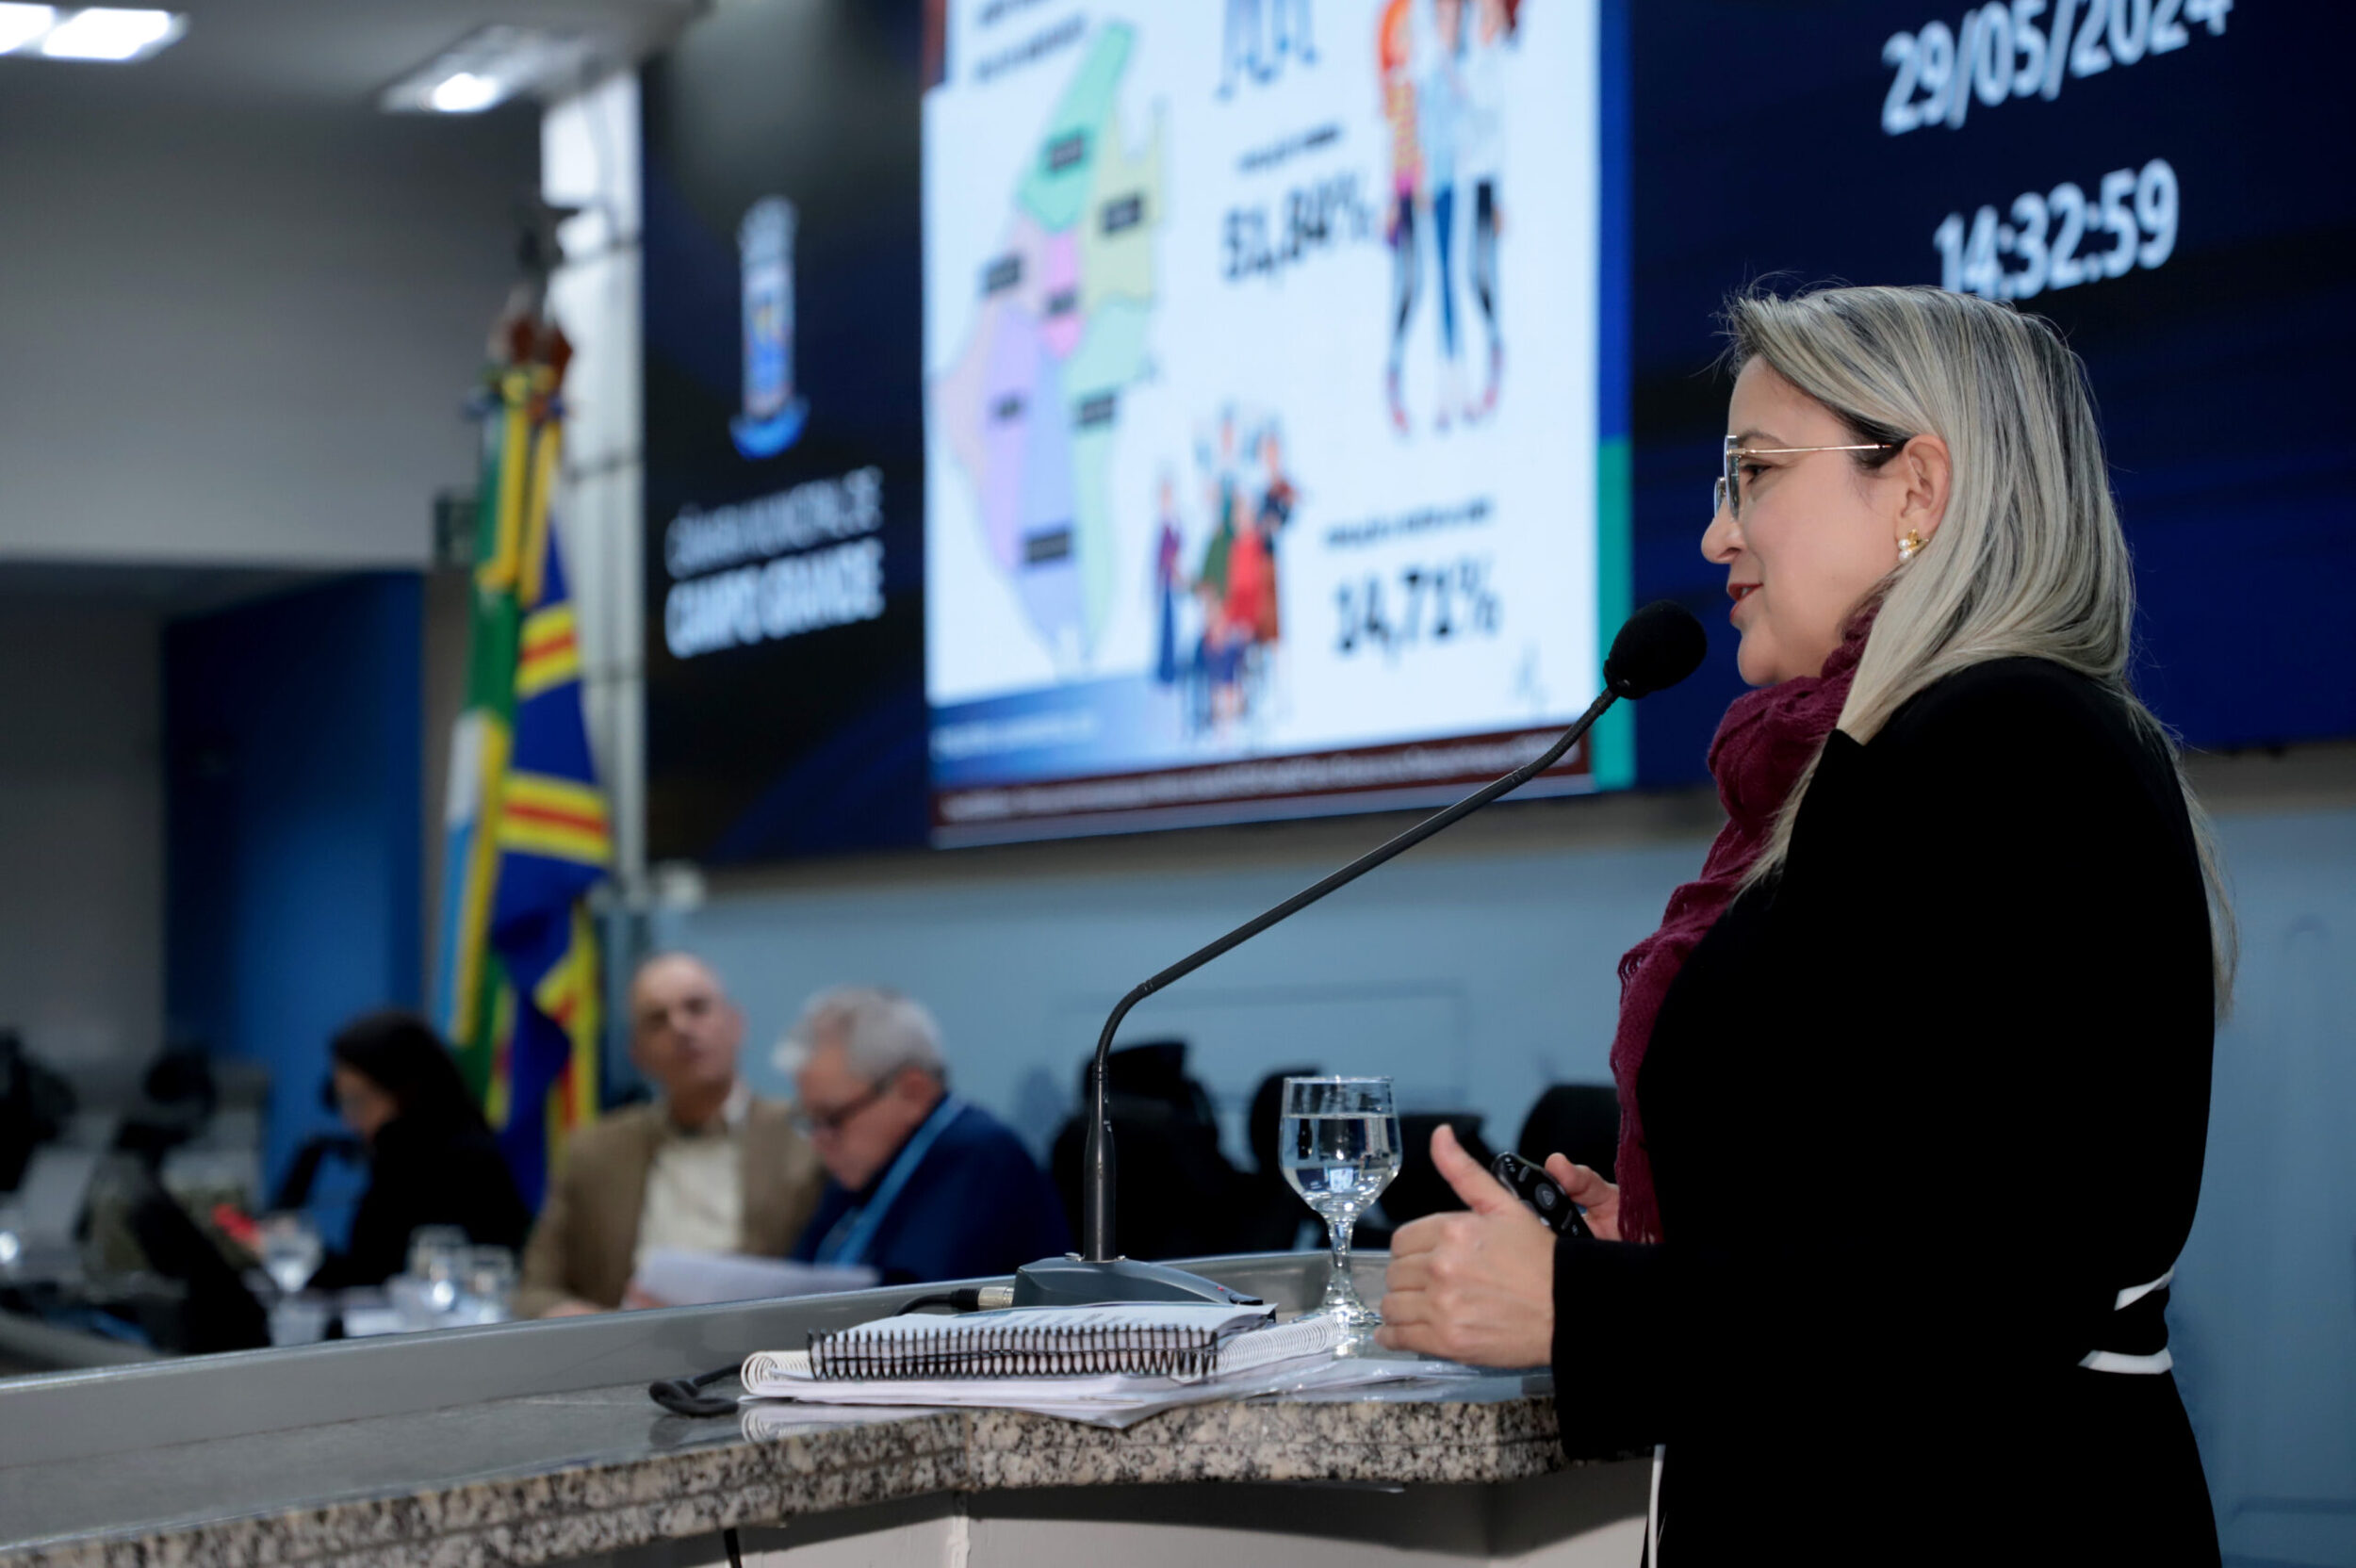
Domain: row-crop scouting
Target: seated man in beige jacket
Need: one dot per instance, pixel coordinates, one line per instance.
(708, 1167)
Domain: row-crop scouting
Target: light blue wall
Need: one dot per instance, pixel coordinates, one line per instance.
(2262, 1320)
(1475, 979)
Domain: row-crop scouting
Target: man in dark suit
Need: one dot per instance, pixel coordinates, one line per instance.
(925, 1186)
(708, 1167)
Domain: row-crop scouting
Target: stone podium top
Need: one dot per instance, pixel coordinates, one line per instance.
(602, 1470)
(537, 1442)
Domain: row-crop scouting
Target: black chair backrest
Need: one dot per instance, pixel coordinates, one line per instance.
(1267, 1111)
(1174, 1193)
(35, 1105)
(218, 1313)
(1419, 1189)
(1578, 1120)
(1151, 1069)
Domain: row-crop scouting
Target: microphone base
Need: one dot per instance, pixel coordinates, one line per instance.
(1071, 1282)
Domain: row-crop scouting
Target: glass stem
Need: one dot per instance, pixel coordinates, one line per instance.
(1338, 1229)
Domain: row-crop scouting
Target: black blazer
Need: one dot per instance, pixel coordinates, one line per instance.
(426, 1175)
(1917, 1110)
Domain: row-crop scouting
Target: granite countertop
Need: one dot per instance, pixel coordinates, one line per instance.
(541, 1480)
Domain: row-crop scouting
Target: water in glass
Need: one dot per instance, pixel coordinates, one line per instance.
(1340, 1164)
(1339, 1143)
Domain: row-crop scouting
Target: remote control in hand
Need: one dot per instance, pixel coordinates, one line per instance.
(1534, 1187)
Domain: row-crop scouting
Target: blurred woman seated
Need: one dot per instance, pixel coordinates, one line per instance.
(431, 1155)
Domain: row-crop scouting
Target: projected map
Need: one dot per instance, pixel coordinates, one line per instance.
(1031, 406)
(1260, 362)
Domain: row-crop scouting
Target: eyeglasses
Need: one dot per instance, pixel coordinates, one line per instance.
(812, 1123)
(1727, 489)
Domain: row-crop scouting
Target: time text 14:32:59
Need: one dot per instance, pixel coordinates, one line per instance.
(2047, 234)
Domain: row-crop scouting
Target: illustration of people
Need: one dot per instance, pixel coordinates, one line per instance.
(1439, 125)
(1480, 156)
(1238, 589)
(1251, 606)
(1166, 583)
(1395, 53)
(1218, 656)
(1277, 499)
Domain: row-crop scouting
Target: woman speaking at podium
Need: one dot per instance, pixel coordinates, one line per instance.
(1915, 1076)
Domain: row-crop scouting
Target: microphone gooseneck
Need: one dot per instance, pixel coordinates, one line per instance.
(1659, 645)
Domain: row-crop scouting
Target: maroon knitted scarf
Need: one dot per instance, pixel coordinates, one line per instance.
(1766, 738)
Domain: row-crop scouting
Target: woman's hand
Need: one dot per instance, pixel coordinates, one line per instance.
(1591, 1192)
(1474, 1287)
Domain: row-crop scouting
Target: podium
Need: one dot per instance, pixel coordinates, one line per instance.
(537, 1442)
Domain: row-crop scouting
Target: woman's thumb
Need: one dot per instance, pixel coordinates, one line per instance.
(1584, 1185)
(1481, 1192)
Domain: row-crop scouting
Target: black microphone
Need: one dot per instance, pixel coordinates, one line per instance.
(1661, 646)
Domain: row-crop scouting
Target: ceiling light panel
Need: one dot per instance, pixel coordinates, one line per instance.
(106, 33)
(23, 24)
(464, 93)
(488, 67)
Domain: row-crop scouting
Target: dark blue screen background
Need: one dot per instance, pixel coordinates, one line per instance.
(2222, 378)
(816, 743)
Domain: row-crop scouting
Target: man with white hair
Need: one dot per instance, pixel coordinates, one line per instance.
(925, 1186)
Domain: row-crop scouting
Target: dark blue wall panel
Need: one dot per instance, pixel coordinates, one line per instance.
(292, 730)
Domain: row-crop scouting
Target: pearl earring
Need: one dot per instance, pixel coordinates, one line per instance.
(1909, 547)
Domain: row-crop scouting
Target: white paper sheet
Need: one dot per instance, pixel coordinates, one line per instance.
(682, 1279)
(1096, 1401)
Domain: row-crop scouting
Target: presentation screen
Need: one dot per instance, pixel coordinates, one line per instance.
(1261, 410)
(1066, 418)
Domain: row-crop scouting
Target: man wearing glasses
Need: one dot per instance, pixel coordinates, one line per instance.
(925, 1186)
(708, 1167)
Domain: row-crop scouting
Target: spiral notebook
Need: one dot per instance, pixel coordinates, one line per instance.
(1106, 1366)
(1181, 1342)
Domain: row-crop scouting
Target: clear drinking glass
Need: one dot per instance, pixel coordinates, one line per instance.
(1339, 1145)
(290, 1249)
(412, 1312)
(488, 1293)
(12, 1228)
(437, 1255)
(298, 1319)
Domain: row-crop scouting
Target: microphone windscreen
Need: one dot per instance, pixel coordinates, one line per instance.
(1661, 646)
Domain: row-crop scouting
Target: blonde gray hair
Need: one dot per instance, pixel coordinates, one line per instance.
(880, 1031)
(2028, 560)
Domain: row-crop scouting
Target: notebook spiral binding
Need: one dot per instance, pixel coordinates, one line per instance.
(1014, 1350)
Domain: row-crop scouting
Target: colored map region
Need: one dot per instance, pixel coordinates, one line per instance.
(1031, 407)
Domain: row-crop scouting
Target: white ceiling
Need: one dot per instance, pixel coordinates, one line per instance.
(240, 304)
(319, 53)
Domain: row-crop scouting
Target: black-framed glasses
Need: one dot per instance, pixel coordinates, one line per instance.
(812, 1123)
(1727, 489)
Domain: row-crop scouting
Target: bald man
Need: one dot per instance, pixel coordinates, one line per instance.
(707, 1168)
